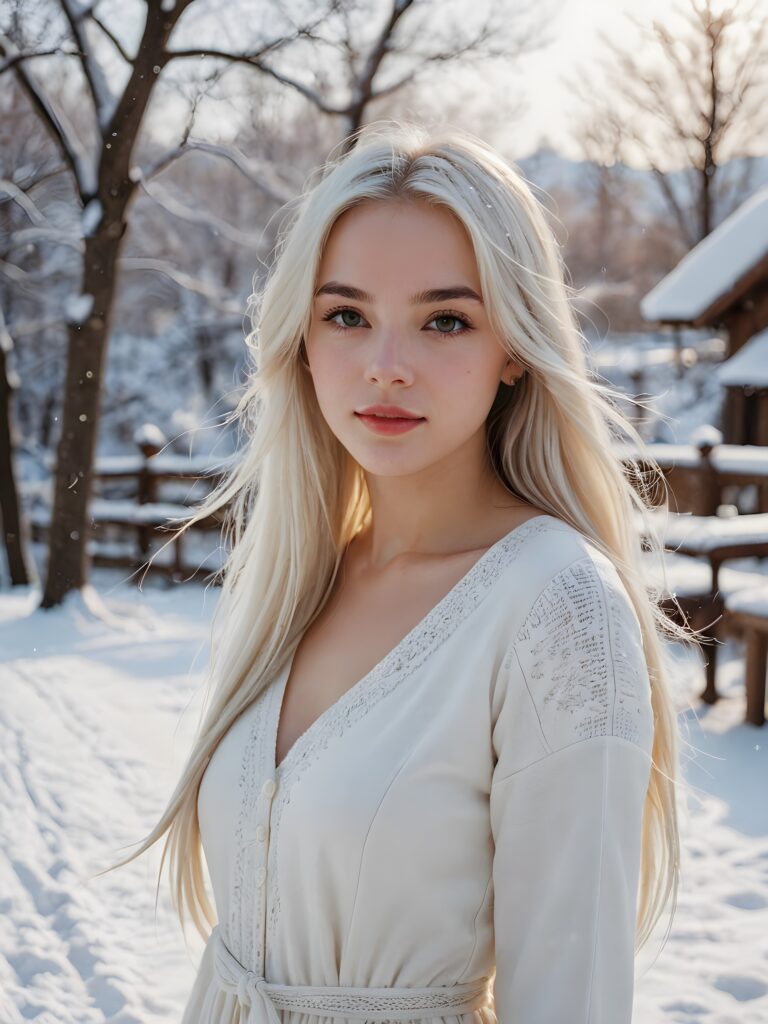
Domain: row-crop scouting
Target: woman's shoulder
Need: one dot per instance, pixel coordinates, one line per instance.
(542, 546)
(573, 640)
(550, 562)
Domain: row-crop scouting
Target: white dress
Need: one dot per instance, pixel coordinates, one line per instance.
(464, 821)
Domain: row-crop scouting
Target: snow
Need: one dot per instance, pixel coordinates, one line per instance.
(748, 366)
(149, 433)
(741, 459)
(125, 510)
(753, 600)
(118, 465)
(688, 577)
(98, 703)
(707, 533)
(77, 308)
(161, 464)
(706, 435)
(714, 266)
(735, 459)
(634, 358)
(92, 214)
(666, 455)
(172, 462)
(94, 722)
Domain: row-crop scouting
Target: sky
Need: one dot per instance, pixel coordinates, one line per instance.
(576, 28)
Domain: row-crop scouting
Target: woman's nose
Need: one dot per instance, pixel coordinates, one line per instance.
(389, 360)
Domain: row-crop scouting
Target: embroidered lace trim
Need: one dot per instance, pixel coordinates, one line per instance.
(580, 649)
(244, 928)
(253, 991)
(368, 1003)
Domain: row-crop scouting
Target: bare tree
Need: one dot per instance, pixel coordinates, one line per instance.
(32, 185)
(100, 161)
(105, 186)
(683, 95)
(366, 51)
(105, 181)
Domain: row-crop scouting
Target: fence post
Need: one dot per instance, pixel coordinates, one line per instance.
(706, 439)
(150, 440)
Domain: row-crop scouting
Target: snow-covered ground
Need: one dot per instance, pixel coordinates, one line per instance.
(95, 717)
(98, 702)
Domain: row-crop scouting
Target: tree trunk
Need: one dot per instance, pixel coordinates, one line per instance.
(87, 345)
(87, 340)
(10, 516)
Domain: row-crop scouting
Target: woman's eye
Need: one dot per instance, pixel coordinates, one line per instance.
(332, 314)
(351, 318)
(350, 313)
(441, 318)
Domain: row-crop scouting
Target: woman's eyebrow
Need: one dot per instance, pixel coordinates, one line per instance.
(347, 291)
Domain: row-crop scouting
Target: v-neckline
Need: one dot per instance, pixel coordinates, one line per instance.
(281, 682)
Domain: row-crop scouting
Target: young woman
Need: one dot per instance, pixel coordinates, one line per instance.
(436, 773)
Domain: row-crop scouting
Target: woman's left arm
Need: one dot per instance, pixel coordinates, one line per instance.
(573, 737)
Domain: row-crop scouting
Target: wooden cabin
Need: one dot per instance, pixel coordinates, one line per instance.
(744, 377)
(722, 284)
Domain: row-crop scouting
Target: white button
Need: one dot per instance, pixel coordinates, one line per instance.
(261, 833)
(261, 874)
(269, 787)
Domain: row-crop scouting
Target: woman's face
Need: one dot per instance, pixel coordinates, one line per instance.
(375, 340)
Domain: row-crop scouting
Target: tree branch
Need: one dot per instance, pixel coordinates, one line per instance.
(379, 50)
(58, 236)
(111, 37)
(19, 196)
(254, 61)
(202, 217)
(14, 274)
(19, 57)
(257, 173)
(185, 281)
(91, 71)
(56, 123)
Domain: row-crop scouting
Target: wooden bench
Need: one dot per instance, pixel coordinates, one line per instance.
(717, 540)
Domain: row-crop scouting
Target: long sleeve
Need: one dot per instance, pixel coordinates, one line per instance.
(573, 735)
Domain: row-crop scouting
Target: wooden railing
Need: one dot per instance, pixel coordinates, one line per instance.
(703, 480)
(700, 478)
(128, 522)
(703, 477)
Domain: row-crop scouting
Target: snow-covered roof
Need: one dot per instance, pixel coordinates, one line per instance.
(749, 365)
(714, 266)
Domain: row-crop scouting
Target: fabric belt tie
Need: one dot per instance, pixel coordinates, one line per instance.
(263, 998)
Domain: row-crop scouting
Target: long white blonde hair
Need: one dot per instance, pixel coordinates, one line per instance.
(295, 498)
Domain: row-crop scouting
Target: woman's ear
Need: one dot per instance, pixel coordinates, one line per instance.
(511, 373)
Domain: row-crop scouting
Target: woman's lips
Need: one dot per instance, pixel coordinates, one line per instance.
(389, 424)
